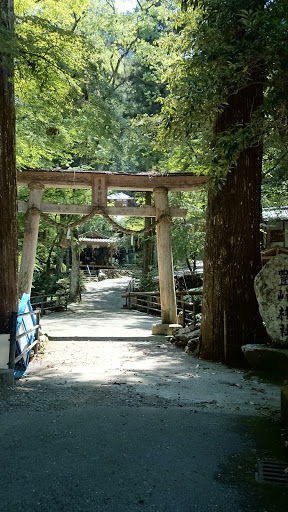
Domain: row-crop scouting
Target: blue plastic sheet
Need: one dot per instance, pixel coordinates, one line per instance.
(18, 374)
(24, 324)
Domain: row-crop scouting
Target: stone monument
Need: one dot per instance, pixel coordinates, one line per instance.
(271, 288)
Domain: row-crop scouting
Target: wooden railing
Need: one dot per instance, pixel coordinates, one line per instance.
(50, 302)
(149, 302)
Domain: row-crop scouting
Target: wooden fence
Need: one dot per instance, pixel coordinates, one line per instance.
(149, 302)
(50, 302)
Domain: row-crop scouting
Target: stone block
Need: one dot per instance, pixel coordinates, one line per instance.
(4, 351)
(181, 343)
(164, 329)
(6, 379)
(271, 359)
(271, 288)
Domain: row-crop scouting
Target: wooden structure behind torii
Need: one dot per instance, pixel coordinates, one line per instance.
(99, 183)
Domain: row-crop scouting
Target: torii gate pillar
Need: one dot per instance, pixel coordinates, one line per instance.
(30, 238)
(165, 266)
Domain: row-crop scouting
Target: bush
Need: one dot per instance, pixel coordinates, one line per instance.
(50, 284)
(148, 282)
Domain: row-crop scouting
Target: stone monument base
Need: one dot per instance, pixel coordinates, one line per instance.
(263, 357)
(164, 329)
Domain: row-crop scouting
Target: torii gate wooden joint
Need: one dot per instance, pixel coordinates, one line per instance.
(99, 183)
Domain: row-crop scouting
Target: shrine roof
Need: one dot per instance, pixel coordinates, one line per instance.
(94, 237)
(100, 241)
(119, 197)
(93, 234)
(274, 214)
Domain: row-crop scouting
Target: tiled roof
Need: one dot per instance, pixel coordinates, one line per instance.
(98, 240)
(119, 197)
(272, 214)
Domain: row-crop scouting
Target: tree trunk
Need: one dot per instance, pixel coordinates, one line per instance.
(8, 189)
(189, 266)
(230, 314)
(60, 252)
(75, 269)
(148, 245)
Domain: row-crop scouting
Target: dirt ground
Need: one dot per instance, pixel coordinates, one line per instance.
(99, 351)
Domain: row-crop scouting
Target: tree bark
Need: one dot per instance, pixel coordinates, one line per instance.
(148, 245)
(8, 188)
(75, 268)
(232, 248)
(60, 252)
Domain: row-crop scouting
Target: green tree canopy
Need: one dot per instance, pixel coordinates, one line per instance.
(83, 73)
(220, 48)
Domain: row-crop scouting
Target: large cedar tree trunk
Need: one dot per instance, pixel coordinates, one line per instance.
(232, 249)
(8, 190)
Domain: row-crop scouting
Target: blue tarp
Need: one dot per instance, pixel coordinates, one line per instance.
(20, 373)
(24, 324)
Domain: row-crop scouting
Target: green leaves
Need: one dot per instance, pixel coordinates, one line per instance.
(188, 235)
(63, 99)
(221, 49)
(83, 70)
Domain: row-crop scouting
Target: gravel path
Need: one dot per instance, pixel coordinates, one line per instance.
(100, 314)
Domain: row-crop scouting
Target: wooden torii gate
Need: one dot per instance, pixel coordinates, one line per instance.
(99, 183)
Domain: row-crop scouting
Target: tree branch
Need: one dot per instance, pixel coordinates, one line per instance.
(121, 57)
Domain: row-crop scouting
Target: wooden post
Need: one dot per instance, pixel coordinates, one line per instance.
(165, 263)
(37, 314)
(11, 364)
(30, 238)
(147, 241)
(225, 336)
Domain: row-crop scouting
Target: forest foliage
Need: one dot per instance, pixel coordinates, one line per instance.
(139, 91)
(105, 89)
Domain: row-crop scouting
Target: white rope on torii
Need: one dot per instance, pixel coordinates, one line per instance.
(98, 211)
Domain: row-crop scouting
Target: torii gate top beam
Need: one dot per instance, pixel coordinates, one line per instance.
(116, 181)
